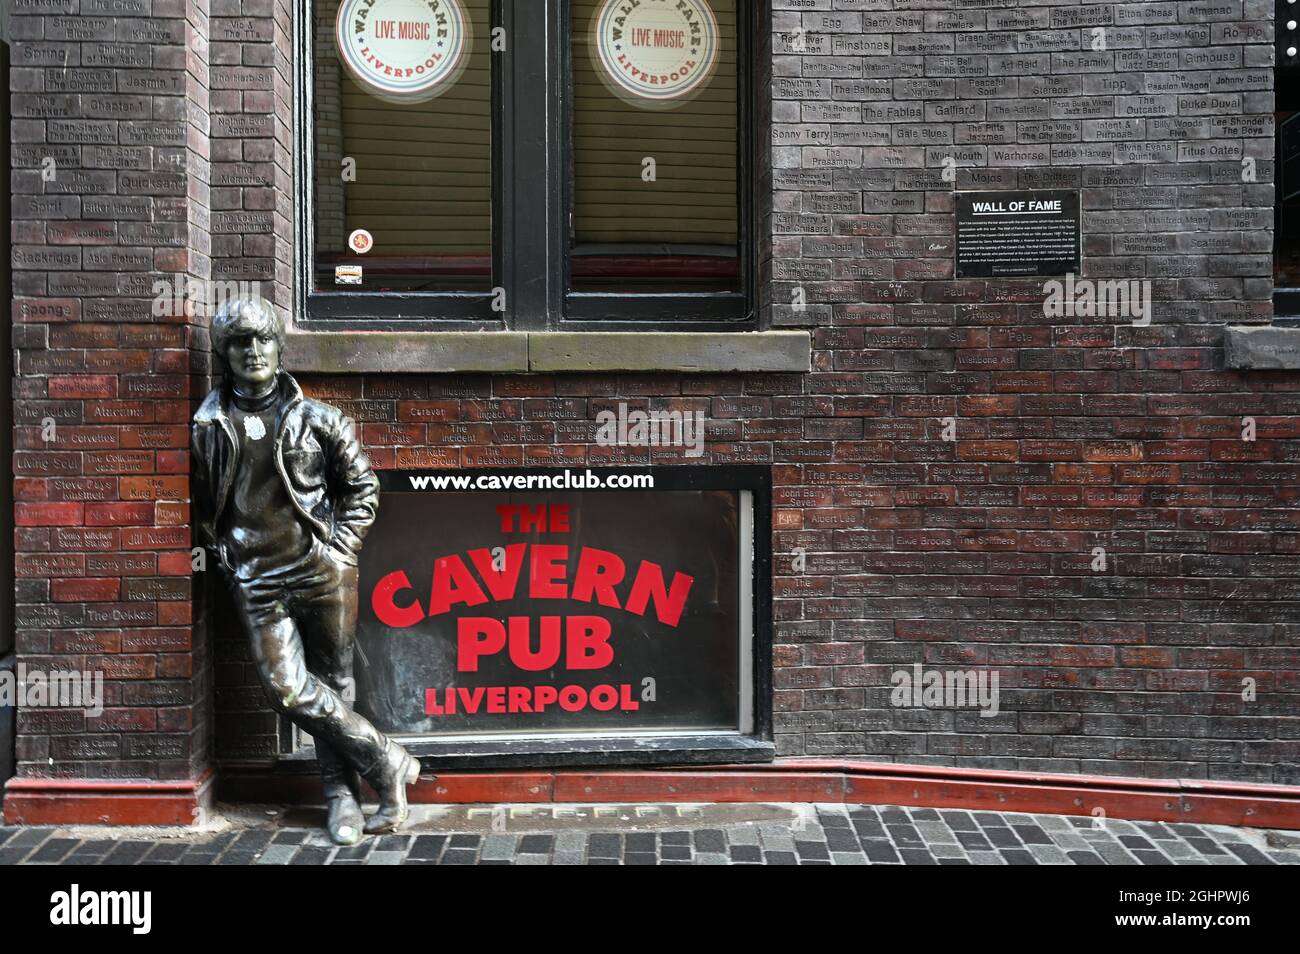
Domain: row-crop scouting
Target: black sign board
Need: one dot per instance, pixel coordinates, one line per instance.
(509, 610)
(1289, 157)
(1017, 234)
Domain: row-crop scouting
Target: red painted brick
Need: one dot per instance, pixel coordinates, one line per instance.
(71, 386)
(85, 590)
(49, 514)
(119, 514)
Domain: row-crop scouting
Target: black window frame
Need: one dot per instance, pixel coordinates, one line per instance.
(532, 133)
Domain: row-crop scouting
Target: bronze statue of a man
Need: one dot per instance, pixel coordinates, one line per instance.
(283, 496)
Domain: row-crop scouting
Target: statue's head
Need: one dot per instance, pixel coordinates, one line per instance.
(247, 337)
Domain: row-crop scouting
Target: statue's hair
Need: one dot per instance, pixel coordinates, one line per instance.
(241, 316)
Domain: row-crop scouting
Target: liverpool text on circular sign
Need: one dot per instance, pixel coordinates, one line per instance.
(654, 53)
(403, 51)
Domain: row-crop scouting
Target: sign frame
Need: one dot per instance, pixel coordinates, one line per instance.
(963, 213)
(751, 742)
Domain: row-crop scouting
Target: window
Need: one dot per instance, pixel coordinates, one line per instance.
(415, 173)
(526, 164)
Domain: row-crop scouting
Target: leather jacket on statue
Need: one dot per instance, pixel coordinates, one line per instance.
(317, 454)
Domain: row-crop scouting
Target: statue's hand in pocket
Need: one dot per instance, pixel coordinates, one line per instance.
(327, 567)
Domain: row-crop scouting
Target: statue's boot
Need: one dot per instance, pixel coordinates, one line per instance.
(344, 819)
(396, 769)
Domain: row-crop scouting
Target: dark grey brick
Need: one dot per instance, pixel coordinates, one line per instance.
(879, 850)
(710, 840)
(166, 852)
(1001, 837)
(809, 849)
(536, 844)
(1136, 842)
(1248, 854)
(742, 853)
(1032, 835)
(428, 846)
(128, 852)
(637, 841)
(916, 856)
(973, 839)
(54, 849)
(600, 845)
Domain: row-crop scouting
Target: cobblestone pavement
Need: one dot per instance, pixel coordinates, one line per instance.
(664, 834)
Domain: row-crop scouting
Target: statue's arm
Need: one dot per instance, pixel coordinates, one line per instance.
(356, 488)
(201, 496)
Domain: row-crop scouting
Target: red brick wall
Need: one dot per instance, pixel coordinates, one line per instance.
(110, 197)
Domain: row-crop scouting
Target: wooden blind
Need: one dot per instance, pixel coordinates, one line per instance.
(424, 171)
(694, 147)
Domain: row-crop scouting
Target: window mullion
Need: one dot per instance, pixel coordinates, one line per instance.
(530, 162)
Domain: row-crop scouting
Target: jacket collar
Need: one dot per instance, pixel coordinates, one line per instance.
(216, 406)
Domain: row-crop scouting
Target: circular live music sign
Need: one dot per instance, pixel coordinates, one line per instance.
(654, 53)
(403, 51)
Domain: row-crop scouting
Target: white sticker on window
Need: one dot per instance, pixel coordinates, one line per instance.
(361, 241)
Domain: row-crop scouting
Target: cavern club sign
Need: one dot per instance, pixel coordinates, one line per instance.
(567, 604)
(403, 51)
